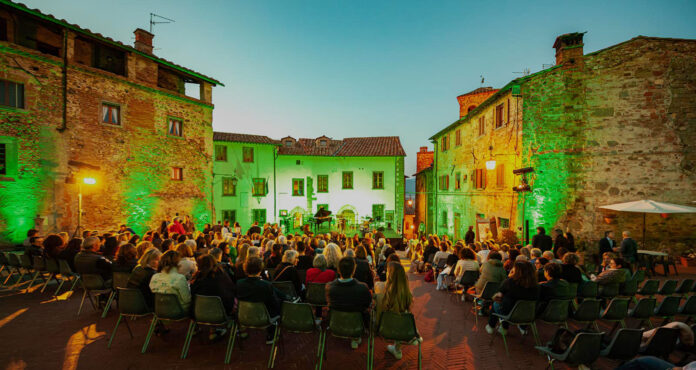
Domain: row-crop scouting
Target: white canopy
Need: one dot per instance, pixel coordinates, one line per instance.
(649, 206)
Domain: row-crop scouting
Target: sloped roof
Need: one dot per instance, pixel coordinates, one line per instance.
(62, 22)
(243, 138)
(389, 146)
(480, 90)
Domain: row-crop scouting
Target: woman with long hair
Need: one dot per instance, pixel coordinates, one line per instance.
(333, 254)
(126, 259)
(397, 297)
(53, 245)
(187, 264)
(168, 280)
(521, 284)
(211, 280)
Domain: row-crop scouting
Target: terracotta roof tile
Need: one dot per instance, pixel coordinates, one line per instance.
(371, 146)
(243, 138)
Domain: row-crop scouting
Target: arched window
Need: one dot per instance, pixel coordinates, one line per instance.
(471, 107)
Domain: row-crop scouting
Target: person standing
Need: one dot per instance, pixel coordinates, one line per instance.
(541, 240)
(607, 243)
(470, 236)
(571, 240)
(628, 248)
(560, 241)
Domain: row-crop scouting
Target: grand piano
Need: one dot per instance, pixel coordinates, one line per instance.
(322, 215)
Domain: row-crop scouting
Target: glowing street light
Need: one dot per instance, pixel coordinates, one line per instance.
(89, 180)
(490, 164)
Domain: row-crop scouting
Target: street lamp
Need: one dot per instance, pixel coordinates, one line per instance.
(490, 164)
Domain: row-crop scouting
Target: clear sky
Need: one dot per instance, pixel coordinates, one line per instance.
(365, 68)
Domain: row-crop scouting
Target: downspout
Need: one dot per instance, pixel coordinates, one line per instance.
(64, 82)
(275, 156)
(435, 186)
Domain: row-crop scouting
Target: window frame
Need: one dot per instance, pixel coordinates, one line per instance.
(458, 181)
(112, 105)
(500, 175)
(378, 175)
(254, 181)
(11, 158)
(320, 189)
(458, 138)
(260, 211)
(301, 189)
(181, 126)
(173, 174)
(216, 152)
(24, 95)
(343, 180)
(480, 179)
(244, 154)
(383, 208)
(232, 219)
(481, 125)
(225, 181)
(499, 116)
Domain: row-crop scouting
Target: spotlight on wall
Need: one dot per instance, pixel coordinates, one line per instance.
(89, 180)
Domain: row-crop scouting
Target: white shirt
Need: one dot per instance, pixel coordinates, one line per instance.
(483, 255)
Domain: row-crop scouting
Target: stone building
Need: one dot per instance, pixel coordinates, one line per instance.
(75, 104)
(424, 200)
(614, 125)
(257, 178)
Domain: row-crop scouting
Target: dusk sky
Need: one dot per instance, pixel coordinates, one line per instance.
(364, 68)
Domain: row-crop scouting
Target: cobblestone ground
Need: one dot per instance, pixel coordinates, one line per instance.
(38, 332)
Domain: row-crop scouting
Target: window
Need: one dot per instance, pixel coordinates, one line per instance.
(458, 181)
(177, 173)
(480, 179)
(499, 116)
(444, 143)
(322, 183)
(322, 143)
(481, 126)
(109, 59)
(3, 29)
(500, 175)
(348, 180)
(111, 114)
(288, 143)
(259, 187)
(259, 215)
(378, 180)
(229, 186)
(175, 127)
(221, 153)
(248, 154)
(444, 219)
(458, 138)
(444, 182)
(229, 215)
(378, 212)
(297, 187)
(504, 223)
(11, 94)
(3, 159)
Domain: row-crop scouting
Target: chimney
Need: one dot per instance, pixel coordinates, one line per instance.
(424, 158)
(143, 41)
(569, 49)
(423, 149)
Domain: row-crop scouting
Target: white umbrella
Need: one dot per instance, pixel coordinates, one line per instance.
(649, 206)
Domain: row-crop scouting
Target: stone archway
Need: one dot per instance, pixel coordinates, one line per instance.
(349, 213)
(297, 215)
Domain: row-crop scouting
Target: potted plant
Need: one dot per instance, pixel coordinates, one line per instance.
(687, 256)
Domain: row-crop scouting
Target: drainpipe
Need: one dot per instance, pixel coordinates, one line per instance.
(435, 186)
(275, 211)
(64, 82)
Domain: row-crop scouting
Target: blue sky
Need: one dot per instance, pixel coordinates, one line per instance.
(364, 68)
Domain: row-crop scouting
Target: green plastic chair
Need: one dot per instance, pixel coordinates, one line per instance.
(588, 289)
(286, 287)
(167, 308)
(347, 325)
(66, 274)
(13, 259)
(573, 289)
(298, 318)
(53, 271)
(4, 264)
(588, 313)
(522, 313)
(584, 349)
(629, 288)
(668, 288)
(27, 264)
(39, 268)
(668, 308)
(638, 276)
(316, 294)
(556, 312)
(209, 311)
(644, 310)
(616, 312)
(685, 287)
(485, 297)
(661, 344)
(649, 288)
(609, 291)
(92, 283)
(625, 344)
(689, 308)
(131, 305)
(119, 280)
(399, 327)
(253, 315)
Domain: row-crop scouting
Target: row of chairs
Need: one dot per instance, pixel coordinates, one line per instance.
(21, 265)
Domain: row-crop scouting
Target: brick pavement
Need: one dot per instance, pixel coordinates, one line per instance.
(38, 332)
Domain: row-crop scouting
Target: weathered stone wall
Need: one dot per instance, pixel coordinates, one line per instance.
(472, 100)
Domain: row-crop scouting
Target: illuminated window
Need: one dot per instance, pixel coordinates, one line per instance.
(221, 153)
(297, 187)
(248, 154)
(500, 175)
(458, 138)
(481, 125)
(480, 179)
(259, 187)
(499, 116)
(504, 223)
(458, 181)
(229, 189)
(259, 215)
(378, 180)
(177, 173)
(111, 114)
(229, 215)
(11, 94)
(348, 180)
(322, 183)
(378, 212)
(175, 127)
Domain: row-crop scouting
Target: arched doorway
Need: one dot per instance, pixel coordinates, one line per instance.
(297, 216)
(348, 213)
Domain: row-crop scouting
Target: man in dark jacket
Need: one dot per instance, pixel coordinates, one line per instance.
(554, 287)
(347, 294)
(88, 261)
(35, 248)
(254, 229)
(470, 236)
(541, 240)
(607, 243)
(628, 248)
(560, 241)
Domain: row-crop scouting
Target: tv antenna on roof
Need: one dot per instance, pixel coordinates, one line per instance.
(482, 80)
(525, 72)
(158, 19)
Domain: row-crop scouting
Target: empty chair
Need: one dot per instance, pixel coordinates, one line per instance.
(609, 290)
(66, 274)
(131, 305)
(53, 270)
(667, 308)
(556, 312)
(286, 287)
(298, 318)
(208, 311)
(588, 289)
(92, 284)
(616, 312)
(661, 344)
(583, 350)
(522, 313)
(485, 298)
(625, 344)
(684, 287)
(4, 265)
(399, 327)
(119, 280)
(629, 288)
(167, 308)
(689, 308)
(668, 288)
(253, 315)
(588, 312)
(39, 268)
(25, 261)
(347, 325)
(13, 259)
(649, 288)
(638, 276)
(643, 310)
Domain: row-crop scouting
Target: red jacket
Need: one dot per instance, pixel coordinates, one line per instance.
(314, 275)
(177, 227)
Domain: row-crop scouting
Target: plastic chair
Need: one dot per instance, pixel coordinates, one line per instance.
(66, 274)
(685, 287)
(39, 268)
(209, 311)
(298, 318)
(253, 315)
(4, 264)
(522, 313)
(347, 325)
(119, 280)
(92, 283)
(625, 344)
(649, 288)
(167, 308)
(556, 312)
(588, 313)
(584, 349)
(53, 271)
(638, 276)
(609, 290)
(689, 308)
(485, 297)
(131, 305)
(588, 289)
(667, 308)
(316, 294)
(629, 288)
(668, 288)
(468, 280)
(27, 265)
(616, 312)
(13, 259)
(644, 310)
(662, 343)
(286, 287)
(573, 289)
(399, 327)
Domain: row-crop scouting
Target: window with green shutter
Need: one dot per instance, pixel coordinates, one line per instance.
(248, 154)
(229, 215)
(322, 183)
(378, 212)
(378, 180)
(221, 153)
(229, 188)
(259, 215)
(259, 187)
(297, 187)
(347, 179)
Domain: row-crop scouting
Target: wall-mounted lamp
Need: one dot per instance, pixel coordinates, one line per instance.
(490, 163)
